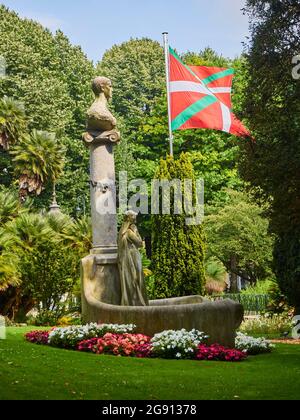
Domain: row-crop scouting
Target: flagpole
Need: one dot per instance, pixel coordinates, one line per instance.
(167, 61)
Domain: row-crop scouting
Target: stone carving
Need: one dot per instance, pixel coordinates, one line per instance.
(133, 289)
(100, 137)
(296, 329)
(101, 124)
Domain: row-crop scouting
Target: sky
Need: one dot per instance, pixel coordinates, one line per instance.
(96, 25)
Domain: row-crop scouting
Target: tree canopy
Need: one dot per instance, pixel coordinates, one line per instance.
(271, 104)
(238, 230)
(51, 78)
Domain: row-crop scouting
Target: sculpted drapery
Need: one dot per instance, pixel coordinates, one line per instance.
(130, 264)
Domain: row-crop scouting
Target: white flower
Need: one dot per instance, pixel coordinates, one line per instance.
(252, 345)
(71, 336)
(177, 342)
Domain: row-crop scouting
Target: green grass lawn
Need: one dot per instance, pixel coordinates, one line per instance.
(29, 371)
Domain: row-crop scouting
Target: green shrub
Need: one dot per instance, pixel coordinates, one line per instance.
(267, 325)
(45, 318)
(260, 288)
(178, 249)
(252, 303)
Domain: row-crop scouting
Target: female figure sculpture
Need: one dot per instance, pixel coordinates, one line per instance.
(133, 290)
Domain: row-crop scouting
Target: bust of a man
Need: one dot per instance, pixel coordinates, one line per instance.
(100, 121)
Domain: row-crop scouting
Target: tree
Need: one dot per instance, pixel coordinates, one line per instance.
(136, 69)
(51, 78)
(39, 261)
(178, 249)
(10, 206)
(237, 234)
(12, 122)
(215, 275)
(38, 159)
(272, 107)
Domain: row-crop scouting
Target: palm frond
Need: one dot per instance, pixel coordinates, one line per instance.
(38, 159)
(13, 123)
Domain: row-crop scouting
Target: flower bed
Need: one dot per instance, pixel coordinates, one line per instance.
(38, 337)
(177, 344)
(70, 337)
(119, 340)
(118, 345)
(219, 353)
(253, 346)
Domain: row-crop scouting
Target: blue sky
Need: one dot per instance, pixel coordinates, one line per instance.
(96, 25)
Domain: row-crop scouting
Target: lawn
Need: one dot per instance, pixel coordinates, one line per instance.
(39, 372)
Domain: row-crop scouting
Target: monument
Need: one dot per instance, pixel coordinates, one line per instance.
(113, 289)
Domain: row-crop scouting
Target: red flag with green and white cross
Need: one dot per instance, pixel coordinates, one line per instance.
(200, 97)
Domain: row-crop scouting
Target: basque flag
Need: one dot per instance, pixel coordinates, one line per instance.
(201, 98)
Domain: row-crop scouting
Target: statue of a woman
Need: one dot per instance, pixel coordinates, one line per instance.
(130, 264)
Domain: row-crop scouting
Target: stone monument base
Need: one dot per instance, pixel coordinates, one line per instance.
(219, 320)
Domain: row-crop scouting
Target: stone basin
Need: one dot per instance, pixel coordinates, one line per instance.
(219, 319)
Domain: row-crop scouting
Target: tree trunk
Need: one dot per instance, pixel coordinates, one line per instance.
(233, 276)
(15, 306)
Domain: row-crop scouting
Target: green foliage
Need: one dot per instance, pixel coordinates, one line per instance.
(38, 159)
(283, 287)
(13, 127)
(9, 206)
(207, 57)
(239, 230)
(260, 288)
(215, 275)
(52, 80)
(46, 317)
(272, 107)
(12, 122)
(136, 69)
(253, 304)
(178, 249)
(9, 275)
(39, 260)
(272, 326)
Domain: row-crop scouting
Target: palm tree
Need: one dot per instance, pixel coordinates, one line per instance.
(215, 274)
(38, 159)
(79, 235)
(13, 124)
(19, 239)
(29, 229)
(9, 276)
(9, 206)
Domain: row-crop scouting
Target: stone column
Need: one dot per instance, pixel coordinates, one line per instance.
(104, 219)
(103, 197)
(101, 266)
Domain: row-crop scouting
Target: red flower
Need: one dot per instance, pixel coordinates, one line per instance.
(219, 353)
(38, 337)
(118, 345)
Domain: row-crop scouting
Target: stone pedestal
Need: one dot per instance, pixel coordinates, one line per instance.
(102, 263)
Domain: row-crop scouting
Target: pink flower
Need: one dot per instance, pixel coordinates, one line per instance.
(219, 353)
(38, 337)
